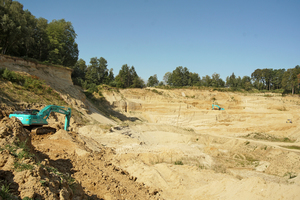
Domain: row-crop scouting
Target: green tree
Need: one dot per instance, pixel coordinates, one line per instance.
(97, 71)
(185, 76)
(194, 79)
(238, 82)
(152, 81)
(246, 83)
(206, 81)
(277, 79)
(26, 43)
(268, 75)
(132, 76)
(41, 40)
(78, 74)
(12, 26)
(128, 77)
(138, 82)
(257, 77)
(216, 81)
(161, 83)
(180, 77)
(290, 80)
(63, 49)
(168, 78)
(110, 77)
(232, 81)
(123, 78)
(118, 82)
(177, 77)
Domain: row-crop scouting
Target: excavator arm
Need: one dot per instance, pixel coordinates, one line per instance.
(45, 112)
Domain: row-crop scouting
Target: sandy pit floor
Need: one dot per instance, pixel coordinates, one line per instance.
(189, 151)
(174, 143)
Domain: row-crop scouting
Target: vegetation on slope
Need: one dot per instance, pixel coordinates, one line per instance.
(17, 90)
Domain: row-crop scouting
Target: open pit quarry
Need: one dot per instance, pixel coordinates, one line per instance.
(164, 144)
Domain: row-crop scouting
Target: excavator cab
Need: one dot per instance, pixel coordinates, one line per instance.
(33, 111)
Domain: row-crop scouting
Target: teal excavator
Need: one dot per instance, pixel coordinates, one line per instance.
(36, 120)
(216, 107)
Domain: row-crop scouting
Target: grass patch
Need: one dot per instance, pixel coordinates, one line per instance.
(19, 166)
(290, 175)
(189, 130)
(268, 95)
(11, 149)
(264, 136)
(193, 97)
(69, 179)
(63, 177)
(292, 147)
(24, 153)
(251, 159)
(5, 191)
(157, 92)
(219, 168)
(43, 182)
(282, 109)
(179, 162)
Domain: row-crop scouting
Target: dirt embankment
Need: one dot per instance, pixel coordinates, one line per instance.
(59, 79)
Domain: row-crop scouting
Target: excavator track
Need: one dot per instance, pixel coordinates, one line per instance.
(43, 130)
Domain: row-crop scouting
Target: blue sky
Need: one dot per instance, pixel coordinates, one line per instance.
(206, 36)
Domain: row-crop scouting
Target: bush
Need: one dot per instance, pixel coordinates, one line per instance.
(31, 83)
(178, 162)
(157, 92)
(12, 76)
(78, 81)
(92, 88)
(113, 84)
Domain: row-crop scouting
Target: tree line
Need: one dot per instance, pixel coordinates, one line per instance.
(24, 35)
(261, 79)
(97, 73)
